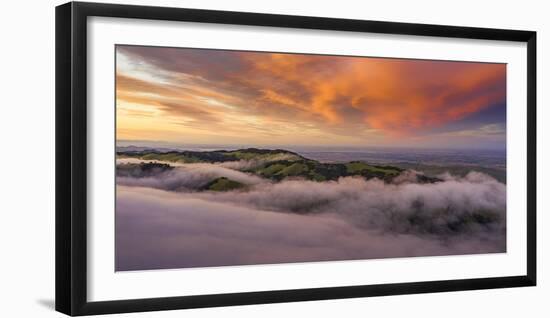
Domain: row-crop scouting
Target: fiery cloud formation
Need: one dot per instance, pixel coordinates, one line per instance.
(207, 96)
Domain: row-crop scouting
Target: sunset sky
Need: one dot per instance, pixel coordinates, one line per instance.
(194, 96)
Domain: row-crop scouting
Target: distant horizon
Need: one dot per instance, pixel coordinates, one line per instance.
(167, 145)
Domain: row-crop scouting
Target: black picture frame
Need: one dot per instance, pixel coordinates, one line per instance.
(71, 157)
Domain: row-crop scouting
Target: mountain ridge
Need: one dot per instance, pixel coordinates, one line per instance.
(274, 164)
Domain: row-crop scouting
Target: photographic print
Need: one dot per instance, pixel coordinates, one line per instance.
(228, 157)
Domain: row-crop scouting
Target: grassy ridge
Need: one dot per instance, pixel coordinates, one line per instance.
(275, 165)
(223, 184)
(317, 171)
(358, 167)
(212, 156)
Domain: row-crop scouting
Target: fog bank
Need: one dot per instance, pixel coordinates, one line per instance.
(160, 229)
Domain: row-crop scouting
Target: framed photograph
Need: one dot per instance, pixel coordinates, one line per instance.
(209, 158)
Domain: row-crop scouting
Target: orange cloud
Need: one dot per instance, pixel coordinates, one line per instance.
(393, 94)
(338, 95)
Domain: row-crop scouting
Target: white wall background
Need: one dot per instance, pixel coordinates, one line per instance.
(27, 158)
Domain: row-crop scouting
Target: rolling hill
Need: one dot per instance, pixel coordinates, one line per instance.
(275, 165)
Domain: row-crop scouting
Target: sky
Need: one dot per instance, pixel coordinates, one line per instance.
(200, 96)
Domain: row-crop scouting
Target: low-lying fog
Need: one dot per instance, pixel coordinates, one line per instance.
(162, 222)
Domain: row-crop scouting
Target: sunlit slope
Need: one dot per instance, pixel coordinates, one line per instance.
(274, 165)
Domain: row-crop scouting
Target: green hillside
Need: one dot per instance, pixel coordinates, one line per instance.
(212, 156)
(223, 184)
(275, 165)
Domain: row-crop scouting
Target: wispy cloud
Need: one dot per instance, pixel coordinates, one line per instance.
(489, 130)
